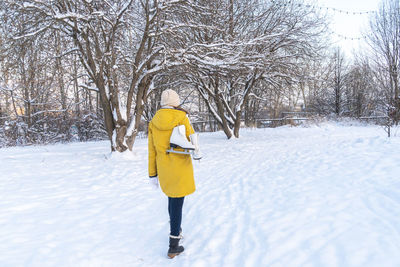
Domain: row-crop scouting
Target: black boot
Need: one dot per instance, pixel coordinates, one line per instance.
(174, 248)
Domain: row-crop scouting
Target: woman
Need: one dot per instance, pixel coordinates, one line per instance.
(174, 172)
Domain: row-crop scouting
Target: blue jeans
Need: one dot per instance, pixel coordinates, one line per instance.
(175, 214)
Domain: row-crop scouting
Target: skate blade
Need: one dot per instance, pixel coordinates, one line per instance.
(178, 152)
(172, 255)
(172, 145)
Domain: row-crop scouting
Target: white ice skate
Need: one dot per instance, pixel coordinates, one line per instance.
(194, 139)
(178, 140)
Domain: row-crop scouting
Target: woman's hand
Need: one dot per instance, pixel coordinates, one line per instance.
(154, 181)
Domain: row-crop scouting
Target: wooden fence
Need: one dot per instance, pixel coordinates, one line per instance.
(212, 126)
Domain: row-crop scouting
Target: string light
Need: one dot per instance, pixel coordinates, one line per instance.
(341, 11)
(341, 36)
(332, 9)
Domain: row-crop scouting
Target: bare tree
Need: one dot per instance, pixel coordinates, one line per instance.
(384, 39)
(261, 41)
(114, 40)
(361, 89)
(339, 78)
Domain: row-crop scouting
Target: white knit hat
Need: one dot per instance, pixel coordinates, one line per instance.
(170, 98)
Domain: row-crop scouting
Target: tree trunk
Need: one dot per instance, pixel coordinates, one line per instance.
(337, 101)
(76, 88)
(236, 127)
(221, 111)
(60, 75)
(108, 115)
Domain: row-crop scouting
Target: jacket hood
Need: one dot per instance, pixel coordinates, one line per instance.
(167, 119)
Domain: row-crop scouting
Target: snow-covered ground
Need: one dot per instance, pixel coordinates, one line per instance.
(326, 195)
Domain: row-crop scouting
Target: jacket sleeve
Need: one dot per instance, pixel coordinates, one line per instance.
(152, 153)
(188, 126)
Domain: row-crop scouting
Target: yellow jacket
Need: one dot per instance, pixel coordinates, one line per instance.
(175, 171)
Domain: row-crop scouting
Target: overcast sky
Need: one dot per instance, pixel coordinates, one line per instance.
(349, 25)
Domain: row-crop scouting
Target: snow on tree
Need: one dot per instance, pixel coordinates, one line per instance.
(384, 39)
(229, 47)
(117, 45)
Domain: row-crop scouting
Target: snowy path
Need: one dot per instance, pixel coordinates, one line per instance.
(320, 196)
